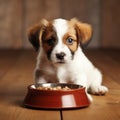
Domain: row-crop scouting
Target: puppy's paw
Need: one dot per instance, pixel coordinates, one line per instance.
(99, 90)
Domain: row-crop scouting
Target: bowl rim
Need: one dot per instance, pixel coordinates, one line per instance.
(33, 87)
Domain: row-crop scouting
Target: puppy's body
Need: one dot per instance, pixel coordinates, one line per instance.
(79, 71)
(61, 58)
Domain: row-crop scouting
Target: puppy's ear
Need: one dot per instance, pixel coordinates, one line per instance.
(84, 31)
(35, 33)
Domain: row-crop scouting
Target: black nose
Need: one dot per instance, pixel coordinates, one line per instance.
(60, 56)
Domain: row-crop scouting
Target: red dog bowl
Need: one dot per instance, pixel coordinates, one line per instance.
(74, 97)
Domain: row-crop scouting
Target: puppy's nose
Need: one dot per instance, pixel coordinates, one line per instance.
(60, 56)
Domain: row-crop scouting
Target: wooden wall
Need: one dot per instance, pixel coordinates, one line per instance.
(110, 23)
(17, 15)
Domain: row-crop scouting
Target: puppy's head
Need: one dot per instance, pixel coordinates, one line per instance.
(59, 38)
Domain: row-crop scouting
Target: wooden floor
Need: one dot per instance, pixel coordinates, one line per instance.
(16, 73)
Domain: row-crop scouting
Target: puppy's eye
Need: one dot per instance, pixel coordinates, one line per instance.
(69, 41)
(51, 42)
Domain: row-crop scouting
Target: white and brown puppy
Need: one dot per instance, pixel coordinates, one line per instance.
(60, 57)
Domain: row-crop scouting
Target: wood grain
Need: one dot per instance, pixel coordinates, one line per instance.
(10, 24)
(110, 23)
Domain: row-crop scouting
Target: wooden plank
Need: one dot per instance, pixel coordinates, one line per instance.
(110, 23)
(113, 53)
(95, 111)
(5, 66)
(11, 24)
(13, 87)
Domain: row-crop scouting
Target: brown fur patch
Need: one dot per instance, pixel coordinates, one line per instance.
(35, 33)
(71, 34)
(49, 38)
(84, 30)
(73, 46)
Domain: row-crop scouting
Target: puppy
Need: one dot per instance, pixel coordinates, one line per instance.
(60, 56)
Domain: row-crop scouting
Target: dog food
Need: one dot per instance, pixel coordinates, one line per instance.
(53, 88)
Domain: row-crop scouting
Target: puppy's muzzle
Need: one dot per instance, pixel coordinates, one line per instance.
(60, 56)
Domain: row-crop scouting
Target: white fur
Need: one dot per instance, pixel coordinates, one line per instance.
(78, 70)
(60, 47)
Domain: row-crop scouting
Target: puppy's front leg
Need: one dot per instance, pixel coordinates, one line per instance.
(40, 80)
(61, 75)
(81, 79)
(96, 86)
(39, 77)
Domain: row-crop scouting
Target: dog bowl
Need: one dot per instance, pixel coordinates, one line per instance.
(66, 96)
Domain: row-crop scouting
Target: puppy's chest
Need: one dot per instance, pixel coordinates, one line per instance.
(57, 73)
(65, 74)
(60, 74)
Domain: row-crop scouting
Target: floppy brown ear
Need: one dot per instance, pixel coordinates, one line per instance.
(34, 34)
(84, 31)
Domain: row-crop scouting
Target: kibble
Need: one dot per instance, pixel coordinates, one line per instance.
(53, 88)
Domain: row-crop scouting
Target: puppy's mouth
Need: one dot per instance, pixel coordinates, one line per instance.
(61, 62)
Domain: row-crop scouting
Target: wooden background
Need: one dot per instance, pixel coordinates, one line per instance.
(17, 15)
